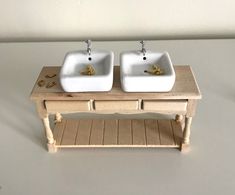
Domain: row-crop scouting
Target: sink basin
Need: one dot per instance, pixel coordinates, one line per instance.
(72, 80)
(135, 79)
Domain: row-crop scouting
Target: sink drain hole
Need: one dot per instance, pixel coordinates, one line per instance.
(144, 58)
(89, 58)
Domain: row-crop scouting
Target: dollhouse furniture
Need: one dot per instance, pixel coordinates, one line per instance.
(181, 102)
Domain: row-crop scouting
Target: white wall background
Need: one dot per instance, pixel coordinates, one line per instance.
(115, 19)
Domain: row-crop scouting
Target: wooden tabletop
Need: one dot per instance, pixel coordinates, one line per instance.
(185, 87)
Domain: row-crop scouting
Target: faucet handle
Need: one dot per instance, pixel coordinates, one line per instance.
(142, 43)
(143, 46)
(143, 50)
(88, 42)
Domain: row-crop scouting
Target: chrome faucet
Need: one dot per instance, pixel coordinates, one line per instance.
(88, 42)
(143, 50)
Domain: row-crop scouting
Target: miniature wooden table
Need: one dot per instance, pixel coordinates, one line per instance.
(181, 101)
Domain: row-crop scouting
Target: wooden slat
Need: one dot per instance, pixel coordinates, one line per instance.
(138, 130)
(58, 131)
(84, 130)
(166, 133)
(124, 132)
(110, 132)
(70, 132)
(152, 133)
(97, 131)
(178, 133)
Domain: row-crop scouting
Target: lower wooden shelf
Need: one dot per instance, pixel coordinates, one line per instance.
(118, 133)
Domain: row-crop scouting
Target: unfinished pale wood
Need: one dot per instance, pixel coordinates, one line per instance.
(152, 132)
(97, 132)
(169, 106)
(185, 148)
(124, 132)
(140, 102)
(186, 133)
(92, 107)
(177, 131)
(84, 132)
(51, 148)
(67, 106)
(110, 132)
(138, 132)
(41, 109)
(58, 117)
(70, 132)
(116, 105)
(59, 131)
(117, 133)
(49, 134)
(191, 107)
(179, 118)
(185, 87)
(166, 133)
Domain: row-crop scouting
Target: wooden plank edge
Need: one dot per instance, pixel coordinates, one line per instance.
(117, 146)
(199, 95)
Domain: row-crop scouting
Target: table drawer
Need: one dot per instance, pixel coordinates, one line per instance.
(67, 106)
(116, 105)
(168, 106)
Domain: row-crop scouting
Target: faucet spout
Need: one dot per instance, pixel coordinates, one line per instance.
(88, 42)
(143, 50)
(89, 51)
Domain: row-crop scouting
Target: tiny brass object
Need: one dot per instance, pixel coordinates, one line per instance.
(41, 83)
(50, 75)
(51, 84)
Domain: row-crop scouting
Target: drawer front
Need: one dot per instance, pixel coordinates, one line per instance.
(67, 106)
(116, 105)
(168, 106)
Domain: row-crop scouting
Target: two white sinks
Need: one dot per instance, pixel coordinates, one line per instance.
(132, 72)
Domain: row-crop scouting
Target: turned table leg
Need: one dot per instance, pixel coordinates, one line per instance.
(179, 118)
(58, 118)
(49, 134)
(186, 134)
(50, 139)
(191, 108)
(45, 119)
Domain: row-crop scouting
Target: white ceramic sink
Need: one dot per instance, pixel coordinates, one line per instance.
(72, 80)
(135, 79)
